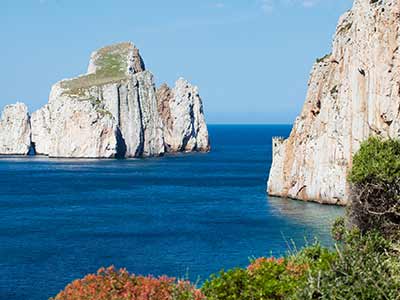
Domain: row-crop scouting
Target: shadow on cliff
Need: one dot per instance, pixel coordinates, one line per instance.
(121, 145)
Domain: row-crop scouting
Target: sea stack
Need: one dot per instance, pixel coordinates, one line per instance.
(353, 93)
(181, 109)
(113, 111)
(15, 130)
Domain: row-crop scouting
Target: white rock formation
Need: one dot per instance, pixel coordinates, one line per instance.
(181, 109)
(109, 112)
(112, 111)
(74, 127)
(353, 93)
(40, 123)
(15, 130)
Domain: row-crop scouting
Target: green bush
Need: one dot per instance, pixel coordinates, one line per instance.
(339, 229)
(377, 160)
(268, 278)
(263, 279)
(230, 285)
(317, 257)
(367, 267)
(375, 195)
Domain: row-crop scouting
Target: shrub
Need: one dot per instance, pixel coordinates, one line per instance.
(339, 229)
(230, 285)
(268, 278)
(317, 257)
(112, 284)
(321, 59)
(263, 279)
(366, 267)
(375, 179)
(377, 160)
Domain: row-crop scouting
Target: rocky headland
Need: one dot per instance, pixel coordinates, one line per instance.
(112, 111)
(353, 93)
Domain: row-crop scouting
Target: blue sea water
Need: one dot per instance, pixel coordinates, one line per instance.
(181, 215)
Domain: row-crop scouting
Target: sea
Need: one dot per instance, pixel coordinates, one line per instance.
(184, 215)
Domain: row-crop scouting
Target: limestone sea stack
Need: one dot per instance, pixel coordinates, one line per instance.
(15, 130)
(113, 111)
(353, 93)
(181, 108)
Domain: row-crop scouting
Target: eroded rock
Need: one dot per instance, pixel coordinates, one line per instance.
(353, 93)
(15, 130)
(112, 111)
(181, 109)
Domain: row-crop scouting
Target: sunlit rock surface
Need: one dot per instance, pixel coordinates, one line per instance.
(15, 130)
(181, 109)
(112, 111)
(353, 93)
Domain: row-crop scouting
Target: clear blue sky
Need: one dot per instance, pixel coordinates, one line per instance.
(250, 58)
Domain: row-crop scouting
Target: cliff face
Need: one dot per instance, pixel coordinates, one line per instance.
(353, 93)
(15, 130)
(40, 124)
(181, 109)
(112, 111)
(73, 127)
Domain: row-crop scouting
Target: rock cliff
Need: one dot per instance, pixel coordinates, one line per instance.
(353, 93)
(181, 109)
(113, 111)
(15, 130)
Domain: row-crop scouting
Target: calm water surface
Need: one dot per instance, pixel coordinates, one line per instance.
(179, 215)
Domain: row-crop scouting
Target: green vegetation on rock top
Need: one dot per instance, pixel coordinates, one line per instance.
(111, 63)
(78, 85)
(122, 48)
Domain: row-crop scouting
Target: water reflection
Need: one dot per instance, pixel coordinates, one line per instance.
(306, 214)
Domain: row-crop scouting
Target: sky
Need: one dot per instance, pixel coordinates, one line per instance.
(250, 58)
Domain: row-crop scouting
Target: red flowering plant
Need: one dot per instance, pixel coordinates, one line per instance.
(113, 284)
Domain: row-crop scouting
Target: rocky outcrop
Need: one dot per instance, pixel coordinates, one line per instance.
(109, 112)
(15, 130)
(112, 111)
(74, 127)
(40, 124)
(181, 109)
(353, 93)
(120, 57)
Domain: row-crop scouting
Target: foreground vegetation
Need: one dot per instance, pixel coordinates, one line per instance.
(112, 284)
(365, 264)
